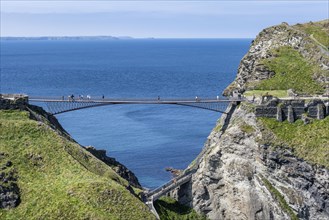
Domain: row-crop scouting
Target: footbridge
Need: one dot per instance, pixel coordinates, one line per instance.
(169, 186)
(155, 194)
(58, 105)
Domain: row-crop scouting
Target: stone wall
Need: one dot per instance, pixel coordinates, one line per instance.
(13, 101)
(292, 109)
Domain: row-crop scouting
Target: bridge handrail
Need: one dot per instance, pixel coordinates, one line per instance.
(175, 99)
(165, 188)
(176, 179)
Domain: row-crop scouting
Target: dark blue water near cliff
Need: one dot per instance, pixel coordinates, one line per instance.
(146, 138)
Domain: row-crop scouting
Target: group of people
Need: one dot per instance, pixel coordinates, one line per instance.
(80, 97)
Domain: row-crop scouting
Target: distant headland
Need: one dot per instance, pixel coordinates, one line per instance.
(69, 38)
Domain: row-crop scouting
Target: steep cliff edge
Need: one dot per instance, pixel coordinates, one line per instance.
(244, 176)
(286, 57)
(258, 168)
(44, 174)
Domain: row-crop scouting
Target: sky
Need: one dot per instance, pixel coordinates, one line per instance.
(159, 19)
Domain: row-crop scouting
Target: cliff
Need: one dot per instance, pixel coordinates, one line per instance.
(45, 174)
(259, 168)
(286, 57)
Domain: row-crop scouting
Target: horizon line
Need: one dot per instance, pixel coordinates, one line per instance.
(119, 37)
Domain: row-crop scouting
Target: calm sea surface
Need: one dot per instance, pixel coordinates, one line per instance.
(146, 138)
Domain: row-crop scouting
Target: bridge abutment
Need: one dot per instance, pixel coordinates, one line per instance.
(13, 101)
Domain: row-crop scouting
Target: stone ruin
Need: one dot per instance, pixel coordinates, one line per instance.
(292, 110)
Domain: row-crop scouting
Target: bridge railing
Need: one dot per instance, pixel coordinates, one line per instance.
(154, 195)
(172, 181)
(99, 99)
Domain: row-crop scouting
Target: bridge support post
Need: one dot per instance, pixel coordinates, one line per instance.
(149, 203)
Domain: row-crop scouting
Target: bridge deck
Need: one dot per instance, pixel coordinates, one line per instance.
(133, 101)
(58, 105)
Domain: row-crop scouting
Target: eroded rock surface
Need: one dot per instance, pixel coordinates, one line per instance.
(119, 168)
(9, 190)
(232, 179)
(251, 69)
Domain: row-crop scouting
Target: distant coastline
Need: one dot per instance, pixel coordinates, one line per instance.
(69, 38)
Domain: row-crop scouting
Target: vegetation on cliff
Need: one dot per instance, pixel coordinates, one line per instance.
(57, 178)
(319, 31)
(286, 57)
(170, 209)
(308, 141)
(292, 71)
(279, 198)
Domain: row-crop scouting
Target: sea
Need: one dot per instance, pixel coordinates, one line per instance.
(146, 138)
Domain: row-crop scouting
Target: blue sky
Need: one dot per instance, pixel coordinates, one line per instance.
(160, 19)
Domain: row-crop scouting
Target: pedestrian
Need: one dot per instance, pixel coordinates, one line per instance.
(217, 97)
(158, 98)
(62, 98)
(103, 96)
(196, 98)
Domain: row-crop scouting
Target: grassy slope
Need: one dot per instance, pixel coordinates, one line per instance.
(292, 71)
(316, 30)
(259, 93)
(60, 180)
(170, 209)
(309, 142)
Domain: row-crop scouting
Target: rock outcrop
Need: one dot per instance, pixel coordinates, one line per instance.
(9, 190)
(119, 168)
(252, 70)
(242, 174)
(239, 178)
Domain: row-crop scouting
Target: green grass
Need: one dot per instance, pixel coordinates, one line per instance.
(259, 93)
(170, 209)
(309, 142)
(317, 30)
(248, 129)
(218, 127)
(278, 197)
(60, 180)
(292, 71)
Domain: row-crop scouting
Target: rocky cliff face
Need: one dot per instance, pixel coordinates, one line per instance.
(119, 168)
(252, 69)
(239, 178)
(242, 174)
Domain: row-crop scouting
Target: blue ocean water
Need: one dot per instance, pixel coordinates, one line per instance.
(146, 138)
